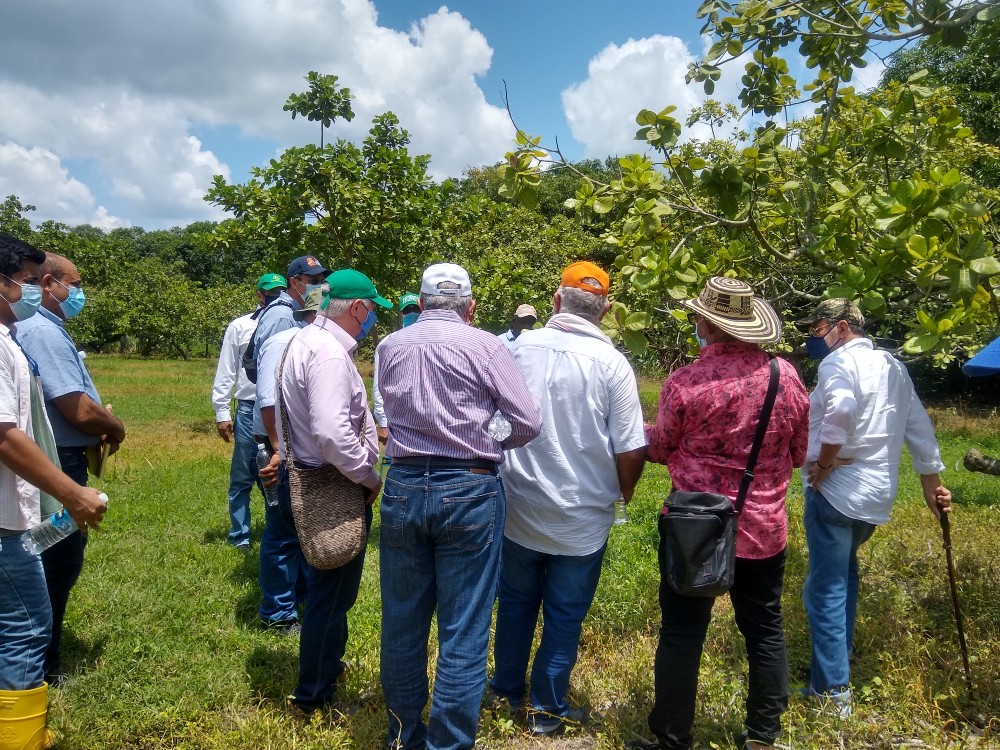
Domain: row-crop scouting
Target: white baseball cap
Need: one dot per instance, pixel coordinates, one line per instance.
(446, 272)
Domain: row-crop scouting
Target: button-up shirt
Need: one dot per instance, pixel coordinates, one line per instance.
(327, 404)
(441, 382)
(19, 500)
(231, 380)
(865, 401)
(705, 425)
(270, 358)
(60, 370)
(274, 319)
(561, 486)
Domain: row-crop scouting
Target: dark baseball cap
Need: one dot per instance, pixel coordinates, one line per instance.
(308, 265)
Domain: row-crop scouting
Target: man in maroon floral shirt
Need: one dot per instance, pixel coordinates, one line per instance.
(704, 430)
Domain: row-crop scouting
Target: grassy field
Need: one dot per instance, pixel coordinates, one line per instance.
(164, 649)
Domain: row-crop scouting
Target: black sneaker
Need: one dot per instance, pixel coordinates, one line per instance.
(284, 627)
(642, 745)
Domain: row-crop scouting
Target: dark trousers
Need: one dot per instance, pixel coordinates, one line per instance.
(63, 562)
(756, 598)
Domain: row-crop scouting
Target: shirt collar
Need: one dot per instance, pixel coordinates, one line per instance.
(52, 317)
(727, 347)
(440, 314)
(861, 341)
(289, 298)
(343, 338)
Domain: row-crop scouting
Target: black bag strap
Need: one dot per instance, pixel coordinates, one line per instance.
(765, 418)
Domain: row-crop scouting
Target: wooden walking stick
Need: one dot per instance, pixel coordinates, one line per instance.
(946, 534)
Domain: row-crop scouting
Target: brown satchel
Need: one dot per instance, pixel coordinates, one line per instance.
(328, 508)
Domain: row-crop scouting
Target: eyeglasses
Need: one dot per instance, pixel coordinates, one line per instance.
(830, 325)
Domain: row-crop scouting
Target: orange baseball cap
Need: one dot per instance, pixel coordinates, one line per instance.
(585, 275)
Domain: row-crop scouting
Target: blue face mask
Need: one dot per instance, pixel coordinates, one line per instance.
(367, 325)
(410, 318)
(702, 343)
(31, 300)
(816, 347)
(73, 304)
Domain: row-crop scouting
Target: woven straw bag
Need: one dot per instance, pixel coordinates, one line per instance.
(328, 508)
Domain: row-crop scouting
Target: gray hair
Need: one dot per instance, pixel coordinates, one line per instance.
(337, 307)
(459, 305)
(586, 305)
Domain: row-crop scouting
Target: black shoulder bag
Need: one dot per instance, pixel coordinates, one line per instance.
(698, 529)
(249, 358)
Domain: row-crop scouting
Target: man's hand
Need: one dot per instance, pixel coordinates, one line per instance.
(373, 493)
(817, 473)
(85, 507)
(225, 430)
(269, 474)
(936, 495)
(383, 433)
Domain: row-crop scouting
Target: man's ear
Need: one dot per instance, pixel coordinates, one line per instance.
(46, 281)
(471, 314)
(607, 308)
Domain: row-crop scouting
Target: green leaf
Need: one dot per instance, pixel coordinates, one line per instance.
(635, 341)
(921, 344)
(638, 321)
(986, 266)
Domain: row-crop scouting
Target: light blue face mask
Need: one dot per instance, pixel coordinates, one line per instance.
(367, 325)
(31, 300)
(73, 304)
(410, 318)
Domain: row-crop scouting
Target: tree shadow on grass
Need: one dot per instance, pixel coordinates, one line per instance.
(273, 669)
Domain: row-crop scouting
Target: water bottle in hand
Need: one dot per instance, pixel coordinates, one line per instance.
(53, 529)
(621, 515)
(264, 459)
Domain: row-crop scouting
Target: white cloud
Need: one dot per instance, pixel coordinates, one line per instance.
(38, 178)
(133, 106)
(622, 80)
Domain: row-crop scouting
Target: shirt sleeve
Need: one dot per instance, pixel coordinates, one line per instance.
(225, 374)
(920, 438)
(625, 411)
(267, 372)
(665, 435)
(513, 398)
(379, 405)
(59, 368)
(9, 406)
(840, 404)
(330, 417)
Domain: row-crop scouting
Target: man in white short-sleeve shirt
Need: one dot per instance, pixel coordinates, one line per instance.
(561, 489)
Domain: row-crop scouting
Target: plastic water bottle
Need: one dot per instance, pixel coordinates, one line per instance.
(264, 459)
(499, 428)
(53, 529)
(621, 514)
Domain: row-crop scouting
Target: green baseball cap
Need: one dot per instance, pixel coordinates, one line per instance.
(409, 300)
(350, 284)
(270, 281)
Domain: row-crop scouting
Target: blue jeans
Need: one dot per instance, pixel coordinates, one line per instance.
(25, 616)
(830, 593)
(323, 642)
(242, 474)
(564, 587)
(440, 549)
(63, 562)
(282, 567)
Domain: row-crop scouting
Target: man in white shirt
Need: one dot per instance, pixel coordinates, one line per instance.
(561, 488)
(25, 468)
(231, 382)
(863, 409)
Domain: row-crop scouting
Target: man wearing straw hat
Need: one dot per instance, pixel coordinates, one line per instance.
(864, 408)
(705, 426)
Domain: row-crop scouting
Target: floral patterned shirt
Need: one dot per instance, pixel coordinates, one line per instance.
(705, 425)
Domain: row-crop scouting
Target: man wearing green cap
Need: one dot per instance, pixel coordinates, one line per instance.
(231, 383)
(409, 311)
(329, 423)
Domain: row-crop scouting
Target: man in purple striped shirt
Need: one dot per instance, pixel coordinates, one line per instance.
(443, 508)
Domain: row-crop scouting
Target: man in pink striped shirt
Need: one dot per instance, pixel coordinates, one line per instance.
(443, 507)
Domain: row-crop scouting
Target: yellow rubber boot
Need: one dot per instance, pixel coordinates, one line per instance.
(22, 719)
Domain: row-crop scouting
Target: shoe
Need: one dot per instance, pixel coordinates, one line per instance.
(245, 549)
(836, 703)
(343, 708)
(57, 680)
(284, 627)
(642, 745)
(542, 724)
(743, 742)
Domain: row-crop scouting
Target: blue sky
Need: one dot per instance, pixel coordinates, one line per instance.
(118, 113)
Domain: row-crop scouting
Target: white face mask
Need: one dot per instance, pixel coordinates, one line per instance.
(702, 343)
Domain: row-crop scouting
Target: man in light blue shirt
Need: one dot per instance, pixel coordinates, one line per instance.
(79, 421)
(281, 563)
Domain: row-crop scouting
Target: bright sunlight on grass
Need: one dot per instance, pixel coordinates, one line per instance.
(164, 650)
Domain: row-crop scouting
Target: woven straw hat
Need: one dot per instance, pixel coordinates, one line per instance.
(731, 305)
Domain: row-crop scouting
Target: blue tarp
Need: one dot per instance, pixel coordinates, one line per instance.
(986, 362)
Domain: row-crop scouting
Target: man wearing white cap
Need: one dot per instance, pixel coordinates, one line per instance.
(525, 318)
(443, 507)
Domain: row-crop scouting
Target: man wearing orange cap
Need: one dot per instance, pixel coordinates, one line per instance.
(561, 489)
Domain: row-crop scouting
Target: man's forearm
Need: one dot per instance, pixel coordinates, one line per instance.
(267, 416)
(88, 416)
(630, 465)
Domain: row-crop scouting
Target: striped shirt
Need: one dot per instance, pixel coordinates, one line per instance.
(441, 382)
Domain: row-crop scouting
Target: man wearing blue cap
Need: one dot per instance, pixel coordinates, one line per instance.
(281, 563)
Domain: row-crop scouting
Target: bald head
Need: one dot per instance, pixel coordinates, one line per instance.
(56, 276)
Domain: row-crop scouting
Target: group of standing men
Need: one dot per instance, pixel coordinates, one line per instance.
(466, 518)
(50, 417)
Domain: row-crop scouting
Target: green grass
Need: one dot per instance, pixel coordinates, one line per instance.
(163, 645)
